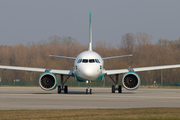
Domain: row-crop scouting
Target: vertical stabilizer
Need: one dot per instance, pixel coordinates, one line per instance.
(90, 33)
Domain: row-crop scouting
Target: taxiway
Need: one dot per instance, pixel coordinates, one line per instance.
(33, 98)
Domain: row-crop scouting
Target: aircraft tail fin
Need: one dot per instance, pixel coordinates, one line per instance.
(90, 33)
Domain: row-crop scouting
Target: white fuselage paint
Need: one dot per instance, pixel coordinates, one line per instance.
(88, 70)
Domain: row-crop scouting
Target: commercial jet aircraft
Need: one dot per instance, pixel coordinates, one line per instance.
(88, 67)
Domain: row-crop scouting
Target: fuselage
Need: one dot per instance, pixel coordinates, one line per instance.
(88, 66)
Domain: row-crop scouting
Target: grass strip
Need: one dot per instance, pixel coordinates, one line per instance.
(93, 114)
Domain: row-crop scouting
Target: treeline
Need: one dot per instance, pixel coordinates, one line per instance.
(145, 53)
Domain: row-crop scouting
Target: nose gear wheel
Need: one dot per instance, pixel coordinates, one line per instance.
(89, 87)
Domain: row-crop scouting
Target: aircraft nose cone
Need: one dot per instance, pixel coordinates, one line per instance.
(89, 73)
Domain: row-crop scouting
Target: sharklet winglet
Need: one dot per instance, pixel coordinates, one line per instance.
(90, 33)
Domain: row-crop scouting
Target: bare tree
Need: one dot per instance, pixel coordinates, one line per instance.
(128, 43)
(143, 38)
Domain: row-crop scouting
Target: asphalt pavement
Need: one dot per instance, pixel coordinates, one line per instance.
(33, 98)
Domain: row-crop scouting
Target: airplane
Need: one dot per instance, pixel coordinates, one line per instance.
(88, 67)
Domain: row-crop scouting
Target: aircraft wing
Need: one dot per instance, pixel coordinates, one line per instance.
(55, 71)
(120, 71)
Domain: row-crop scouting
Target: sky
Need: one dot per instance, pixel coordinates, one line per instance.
(25, 21)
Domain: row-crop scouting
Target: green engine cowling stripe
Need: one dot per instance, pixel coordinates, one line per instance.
(100, 78)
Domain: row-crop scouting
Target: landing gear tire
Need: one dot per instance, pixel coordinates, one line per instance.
(90, 91)
(59, 89)
(66, 89)
(116, 81)
(86, 91)
(120, 89)
(113, 88)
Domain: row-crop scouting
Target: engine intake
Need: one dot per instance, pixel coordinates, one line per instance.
(131, 81)
(48, 81)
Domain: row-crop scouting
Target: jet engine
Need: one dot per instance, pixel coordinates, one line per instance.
(131, 81)
(48, 81)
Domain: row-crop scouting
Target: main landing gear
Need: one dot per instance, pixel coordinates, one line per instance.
(116, 87)
(89, 86)
(65, 88)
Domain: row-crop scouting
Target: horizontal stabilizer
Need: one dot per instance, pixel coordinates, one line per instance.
(62, 57)
(117, 57)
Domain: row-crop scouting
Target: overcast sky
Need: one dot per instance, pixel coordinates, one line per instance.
(24, 21)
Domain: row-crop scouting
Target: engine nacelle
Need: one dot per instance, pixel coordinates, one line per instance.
(131, 81)
(48, 81)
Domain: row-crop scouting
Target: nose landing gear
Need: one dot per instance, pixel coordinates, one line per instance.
(89, 86)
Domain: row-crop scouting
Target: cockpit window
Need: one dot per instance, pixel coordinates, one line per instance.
(97, 60)
(79, 61)
(85, 60)
(91, 61)
(88, 60)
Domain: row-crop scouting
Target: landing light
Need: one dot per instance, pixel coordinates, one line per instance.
(88, 81)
